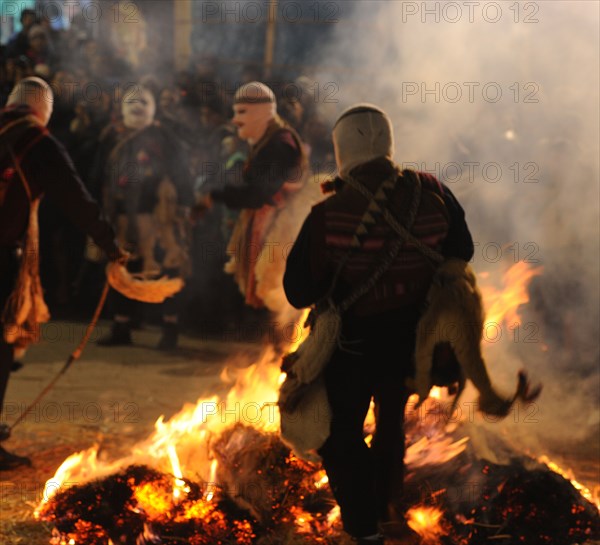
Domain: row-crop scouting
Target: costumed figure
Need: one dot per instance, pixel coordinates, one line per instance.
(147, 191)
(273, 198)
(349, 258)
(32, 164)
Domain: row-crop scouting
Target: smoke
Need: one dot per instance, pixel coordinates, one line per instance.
(500, 101)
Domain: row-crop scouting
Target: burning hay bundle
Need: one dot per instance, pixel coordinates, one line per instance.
(137, 506)
(265, 496)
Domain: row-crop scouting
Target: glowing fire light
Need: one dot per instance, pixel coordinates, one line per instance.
(175, 442)
(213, 473)
(502, 305)
(179, 485)
(568, 474)
(323, 479)
(427, 522)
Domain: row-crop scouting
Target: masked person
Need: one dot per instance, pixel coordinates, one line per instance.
(272, 177)
(342, 242)
(147, 191)
(32, 164)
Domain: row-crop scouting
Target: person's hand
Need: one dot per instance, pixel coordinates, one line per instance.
(204, 202)
(120, 256)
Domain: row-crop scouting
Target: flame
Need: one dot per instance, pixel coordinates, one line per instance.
(592, 497)
(322, 479)
(154, 501)
(502, 304)
(179, 485)
(173, 446)
(427, 522)
(210, 492)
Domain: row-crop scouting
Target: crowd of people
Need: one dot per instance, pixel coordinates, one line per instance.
(189, 168)
(186, 134)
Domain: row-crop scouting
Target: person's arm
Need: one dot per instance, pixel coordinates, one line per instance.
(458, 242)
(306, 279)
(276, 163)
(49, 166)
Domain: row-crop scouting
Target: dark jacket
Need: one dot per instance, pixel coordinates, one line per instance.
(273, 162)
(49, 171)
(327, 231)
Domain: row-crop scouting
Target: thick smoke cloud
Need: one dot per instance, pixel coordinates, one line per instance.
(500, 100)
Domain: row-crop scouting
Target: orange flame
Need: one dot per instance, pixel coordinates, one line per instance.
(502, 304)
(592, 497)
(427, 522)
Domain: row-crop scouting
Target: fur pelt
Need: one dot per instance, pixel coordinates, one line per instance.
(26, 309)
(455, 315)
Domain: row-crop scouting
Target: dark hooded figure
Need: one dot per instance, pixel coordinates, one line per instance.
(32, 164)
(347, 237)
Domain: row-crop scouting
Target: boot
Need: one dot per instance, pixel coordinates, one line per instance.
(170, 335)
(400, 532)
(10, 461)
(120, 335)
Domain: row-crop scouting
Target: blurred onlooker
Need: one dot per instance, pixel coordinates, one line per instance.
(233, 157)
(250, 72)
(214, 127)
(18, 68)
(292, 111)
(168, 102)
(41, 51)
(19, 43)
(321, 153)
(169, 115)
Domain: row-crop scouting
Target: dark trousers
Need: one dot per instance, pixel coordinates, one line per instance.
(365, 480)
(8, 272)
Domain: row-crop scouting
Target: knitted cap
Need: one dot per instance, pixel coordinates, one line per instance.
(362, 133)
(37, 94)
(254, 92)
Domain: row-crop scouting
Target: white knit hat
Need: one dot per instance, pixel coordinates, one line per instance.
(362, 133)
(37, 94)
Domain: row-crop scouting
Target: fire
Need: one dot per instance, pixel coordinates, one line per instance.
(502, 304)
(568, 474)
(428, 523)
(174, 446)
(322, 479)
(155, 501)
(183, 444)
(213, 475)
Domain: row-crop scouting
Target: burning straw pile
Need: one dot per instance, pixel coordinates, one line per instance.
(266, 496)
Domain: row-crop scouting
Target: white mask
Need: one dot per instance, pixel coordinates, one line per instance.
(254, 106)
(138, 108)
(252, 120)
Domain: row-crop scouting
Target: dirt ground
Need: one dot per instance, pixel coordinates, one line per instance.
(110, 397)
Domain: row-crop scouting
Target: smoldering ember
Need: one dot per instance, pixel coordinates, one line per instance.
(263, 494)
(298, 272)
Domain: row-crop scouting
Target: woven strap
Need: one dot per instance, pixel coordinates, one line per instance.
(402, 231)
(396, 245)
(328, 298)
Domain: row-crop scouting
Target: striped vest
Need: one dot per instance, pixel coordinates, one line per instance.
(407, 280)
